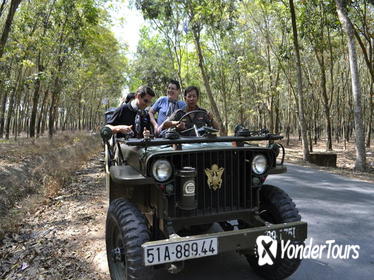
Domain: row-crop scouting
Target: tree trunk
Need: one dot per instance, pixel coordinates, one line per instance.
(3, 2)
(10, 114)
(277, 119)
(241, 113)
(8, 23)
(276, 103)
(90, 120)
(7, 73)
(370, 122)
(38, 127)
(338, 115)
(15, 121)
(360, 163)
(53, 109)
(12, 103)
(270, 76)
(51, 118)
(79, 102)
(35, 98)
(302, 123)
(84, 112)
(288, 126)
(24, 113)
(44, 118)
(326, 106)
(2, 113)
(332, 84)
(55, 97)
(196, 34)
(38, 83)
(226, 109)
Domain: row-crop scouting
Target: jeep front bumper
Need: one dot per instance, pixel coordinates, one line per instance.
(204, 245)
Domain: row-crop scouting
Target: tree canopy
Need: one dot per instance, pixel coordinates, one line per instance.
(61, 66)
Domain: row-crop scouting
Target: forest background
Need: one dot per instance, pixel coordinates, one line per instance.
(284, 65)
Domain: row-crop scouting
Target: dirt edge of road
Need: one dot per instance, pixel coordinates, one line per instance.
(63, 238)
(33, 172)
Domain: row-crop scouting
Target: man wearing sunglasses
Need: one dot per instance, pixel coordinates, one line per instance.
(130, 118)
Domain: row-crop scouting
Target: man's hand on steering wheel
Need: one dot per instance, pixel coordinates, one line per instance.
(180, 125)
(210, 116)
(188, 114)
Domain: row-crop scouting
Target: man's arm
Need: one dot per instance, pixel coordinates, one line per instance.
(215, 124)
(173, 121)
(213, 121)
(167, 124)
(120, 128)
(154, 109)
(152, 118)
(115, 122)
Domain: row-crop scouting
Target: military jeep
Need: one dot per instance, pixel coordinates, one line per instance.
(178, 198)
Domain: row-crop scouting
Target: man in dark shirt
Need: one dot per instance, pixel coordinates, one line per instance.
(131, 118)
(199, 118)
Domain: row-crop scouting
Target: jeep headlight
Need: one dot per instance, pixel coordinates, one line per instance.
(162, 170)
(259, 164)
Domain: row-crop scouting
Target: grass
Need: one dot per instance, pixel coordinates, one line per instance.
(34, 171)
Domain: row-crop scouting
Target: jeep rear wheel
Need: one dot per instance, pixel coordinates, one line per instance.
(276, 207)
(126, 231)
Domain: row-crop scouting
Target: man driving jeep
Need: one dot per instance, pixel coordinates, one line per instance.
(201, 118)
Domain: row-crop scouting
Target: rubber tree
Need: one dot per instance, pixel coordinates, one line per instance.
(348, 28)
(3, 39)
(8, 24)
(199, 15)
(40, 69)
(367, 45)
(218, 16)
(302, 123)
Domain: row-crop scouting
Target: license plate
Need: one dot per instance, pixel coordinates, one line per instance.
(179, 251)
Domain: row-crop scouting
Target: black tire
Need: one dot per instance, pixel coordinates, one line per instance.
(126, 231)
(276, 207)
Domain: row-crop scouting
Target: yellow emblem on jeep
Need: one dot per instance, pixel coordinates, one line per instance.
(214, 175)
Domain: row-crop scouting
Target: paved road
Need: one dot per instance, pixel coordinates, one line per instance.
(335, 207)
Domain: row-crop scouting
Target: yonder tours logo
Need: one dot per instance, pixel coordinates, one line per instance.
(267, 250)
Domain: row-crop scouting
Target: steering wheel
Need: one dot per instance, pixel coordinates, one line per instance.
(206, 129)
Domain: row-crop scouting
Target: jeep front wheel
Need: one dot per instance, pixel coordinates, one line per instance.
(276, 207)
(126, 231)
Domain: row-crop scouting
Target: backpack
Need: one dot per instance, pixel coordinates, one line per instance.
(108, 114)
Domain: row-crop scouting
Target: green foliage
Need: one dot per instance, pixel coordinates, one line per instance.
(67, 46)
(152, 64)
(247, 49)
(249, 55)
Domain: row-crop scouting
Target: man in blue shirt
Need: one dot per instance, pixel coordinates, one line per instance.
(166, 105)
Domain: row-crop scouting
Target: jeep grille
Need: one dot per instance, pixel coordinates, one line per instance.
(236, 189)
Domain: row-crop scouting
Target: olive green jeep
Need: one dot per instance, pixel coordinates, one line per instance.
(178, 198)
